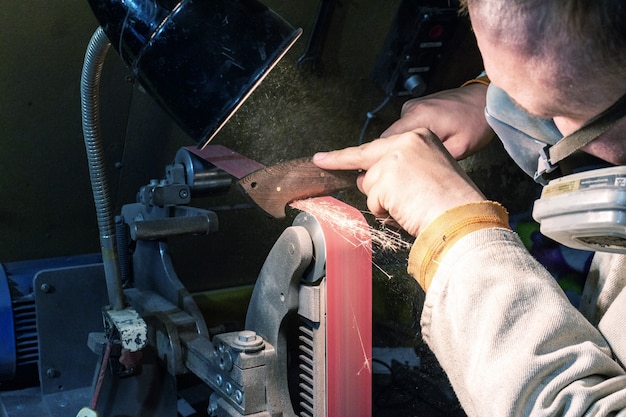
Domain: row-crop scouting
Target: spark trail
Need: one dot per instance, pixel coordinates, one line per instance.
(383, 237)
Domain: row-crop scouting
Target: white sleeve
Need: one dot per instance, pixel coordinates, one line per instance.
(510, 341)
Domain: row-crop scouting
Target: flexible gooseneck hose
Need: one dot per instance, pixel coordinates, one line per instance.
(90, 113)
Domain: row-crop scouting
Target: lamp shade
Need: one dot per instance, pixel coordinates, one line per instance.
(199, 59)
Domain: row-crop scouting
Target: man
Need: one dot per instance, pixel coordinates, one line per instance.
(502, 329)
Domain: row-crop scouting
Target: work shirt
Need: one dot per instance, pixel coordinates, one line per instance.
(507, 336)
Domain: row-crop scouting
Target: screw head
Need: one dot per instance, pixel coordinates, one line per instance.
(238, 396)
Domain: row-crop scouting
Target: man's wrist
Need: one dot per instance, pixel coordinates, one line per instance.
(433, 242)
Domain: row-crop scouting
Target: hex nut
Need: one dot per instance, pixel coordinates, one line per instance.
(248, 341)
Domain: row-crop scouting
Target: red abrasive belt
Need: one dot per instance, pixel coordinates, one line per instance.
(348, 313)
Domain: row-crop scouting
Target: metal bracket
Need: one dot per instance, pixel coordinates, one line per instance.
(544, 166)
(275, 296)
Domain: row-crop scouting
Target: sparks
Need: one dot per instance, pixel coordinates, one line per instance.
(382, 237)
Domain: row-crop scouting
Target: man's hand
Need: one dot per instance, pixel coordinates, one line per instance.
(409, 179)
(456, 116)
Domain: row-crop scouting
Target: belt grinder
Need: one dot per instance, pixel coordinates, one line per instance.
(305, 349)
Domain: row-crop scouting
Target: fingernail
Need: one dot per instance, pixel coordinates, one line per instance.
(319, 156)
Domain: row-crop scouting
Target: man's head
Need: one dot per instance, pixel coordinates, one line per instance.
(534, 24)
(563, 60)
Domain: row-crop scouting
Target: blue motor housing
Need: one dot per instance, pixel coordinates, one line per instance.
(19, 347)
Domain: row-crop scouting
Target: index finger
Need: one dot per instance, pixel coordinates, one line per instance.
(353, 158)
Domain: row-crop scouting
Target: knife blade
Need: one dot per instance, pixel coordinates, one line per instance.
(273, 187)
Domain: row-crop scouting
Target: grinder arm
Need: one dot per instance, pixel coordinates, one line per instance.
(275, 296)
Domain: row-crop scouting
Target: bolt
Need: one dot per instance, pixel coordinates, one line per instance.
(228, 388)
(219, 380)
(247, 336)
(46, 288)
(51, 373)
(238, 396)
(183, 193)
(248, 341)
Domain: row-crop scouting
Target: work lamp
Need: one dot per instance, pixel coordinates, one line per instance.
(199, 59)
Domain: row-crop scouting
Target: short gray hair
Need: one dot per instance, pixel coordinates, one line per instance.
(588, 34)
(599, 25)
